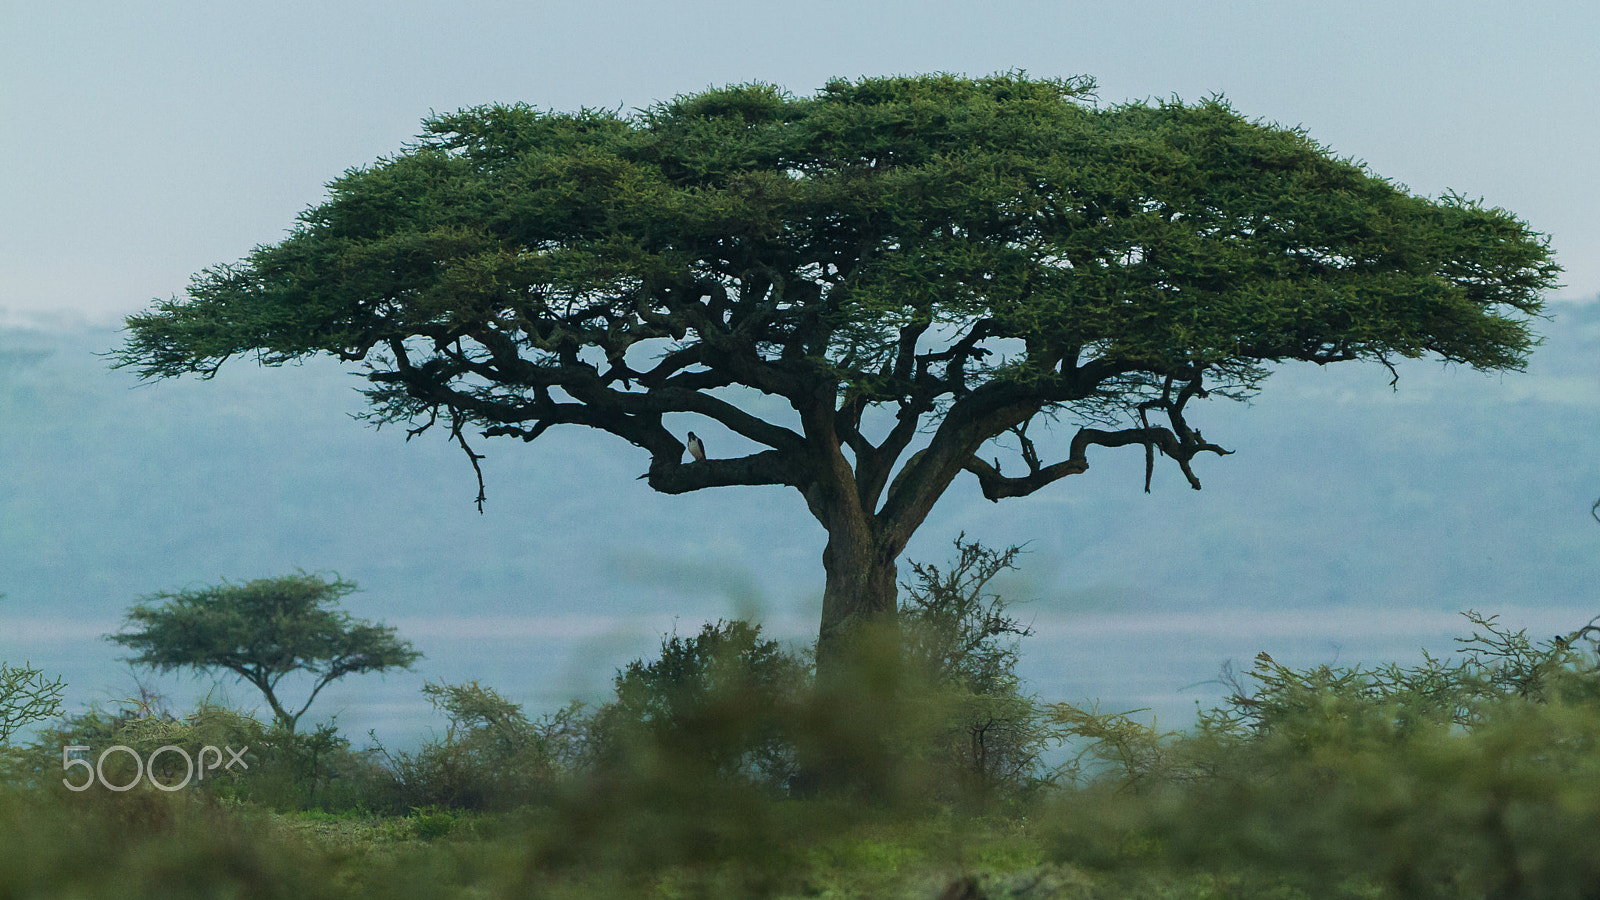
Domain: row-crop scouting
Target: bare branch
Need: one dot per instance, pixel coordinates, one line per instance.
(456, 421)
(997, 486)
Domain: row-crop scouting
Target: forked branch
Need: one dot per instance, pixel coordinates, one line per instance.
(997, 486)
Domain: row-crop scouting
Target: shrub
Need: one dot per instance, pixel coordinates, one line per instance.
(277, 768)
(931, 707)
(961, 648)
(492, 757)
(148, 844)
(722, 701)
(26, 696)
(1477, 777)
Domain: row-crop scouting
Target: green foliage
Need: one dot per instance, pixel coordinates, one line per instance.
(966, 256)
(316, 769)
(961, 646)
(26, 696)
(1113, 746)
(722, 701)
(938, 198)
(933, 707)
(261, 631)
(951, 630)
(143, 723)
(1475, 777)
(150, 845)
(275, 768)
(432, 823)
(1494, 665)
(492, 757)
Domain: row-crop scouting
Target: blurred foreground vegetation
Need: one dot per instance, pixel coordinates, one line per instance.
(1473, 775)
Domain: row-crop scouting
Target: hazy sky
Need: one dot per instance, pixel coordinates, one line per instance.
(142, 142)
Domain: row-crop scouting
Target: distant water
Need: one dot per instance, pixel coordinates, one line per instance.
(1165, 663)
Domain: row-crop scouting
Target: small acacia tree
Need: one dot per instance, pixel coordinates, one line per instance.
(261, 631)
(920, 270)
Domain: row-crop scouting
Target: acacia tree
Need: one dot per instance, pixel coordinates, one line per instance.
(922, 269)
(261, 631)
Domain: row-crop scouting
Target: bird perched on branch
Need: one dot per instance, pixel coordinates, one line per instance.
(697, 448)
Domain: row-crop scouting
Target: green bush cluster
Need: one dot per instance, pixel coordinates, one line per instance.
(26, 696)
(1477, 777)
(943, 714)
(491, 757)
(276, 767)
(720, 703)
(962, 650)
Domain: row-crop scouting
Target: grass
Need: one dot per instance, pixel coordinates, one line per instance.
(164, 846)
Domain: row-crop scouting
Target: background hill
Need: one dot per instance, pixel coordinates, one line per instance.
(1353, 522)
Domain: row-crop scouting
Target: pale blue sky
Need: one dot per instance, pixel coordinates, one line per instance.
(142, 142)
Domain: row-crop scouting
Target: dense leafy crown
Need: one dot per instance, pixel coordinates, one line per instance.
(971, 252)
(261, 631)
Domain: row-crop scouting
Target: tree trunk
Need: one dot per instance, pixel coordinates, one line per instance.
(860, 590)
(849, 747)
(848, 742)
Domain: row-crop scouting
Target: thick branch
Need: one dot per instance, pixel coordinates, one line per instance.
(972, 419)
(766, 467)
(956, 356)
(997, 486)
(873, 467)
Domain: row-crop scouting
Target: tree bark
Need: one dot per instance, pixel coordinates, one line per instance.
(849, 741)
(860, 590)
